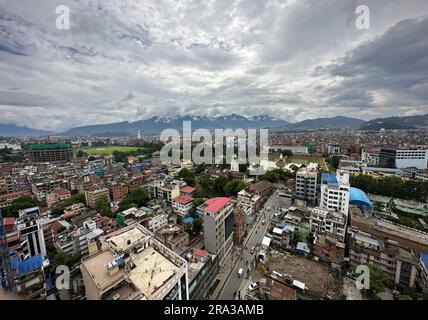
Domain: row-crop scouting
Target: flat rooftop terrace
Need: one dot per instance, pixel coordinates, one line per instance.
(96, 265)
(152, 271)
(123, 238)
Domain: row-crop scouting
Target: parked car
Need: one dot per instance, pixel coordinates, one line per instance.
(253, 286)
(252, 250)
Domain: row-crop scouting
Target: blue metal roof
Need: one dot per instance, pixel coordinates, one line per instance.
(424, 258)
(359, 198)
(328, 178)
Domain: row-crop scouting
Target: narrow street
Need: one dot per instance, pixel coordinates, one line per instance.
(234, 282)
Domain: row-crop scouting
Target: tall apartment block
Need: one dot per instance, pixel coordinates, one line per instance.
(335, 190)
(55, 152)
(217, 214)
(31, 233)
(306, 185)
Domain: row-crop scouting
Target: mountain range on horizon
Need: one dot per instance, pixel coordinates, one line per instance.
(155, 125)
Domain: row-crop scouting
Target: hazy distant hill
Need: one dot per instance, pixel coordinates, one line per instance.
(9, 130)
(410, 122)
(325, 123)
(156, 125)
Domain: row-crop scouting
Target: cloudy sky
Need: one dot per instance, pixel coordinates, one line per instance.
(133, 59)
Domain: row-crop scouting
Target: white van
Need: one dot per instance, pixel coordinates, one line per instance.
(240, 272)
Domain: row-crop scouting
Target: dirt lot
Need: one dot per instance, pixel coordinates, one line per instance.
(319, 278)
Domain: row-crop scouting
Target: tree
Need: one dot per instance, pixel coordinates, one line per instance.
(334, 161)
(378, 206)
(197, 226)
(19, 204)
(270, 176)
(287, 153)
(62, 258)
(136, 199)
(75, 198)
(188, 227)
(81, 154)
(198, 201)
(187, 176)
(378, 278)
(102, 206)
(233, 187)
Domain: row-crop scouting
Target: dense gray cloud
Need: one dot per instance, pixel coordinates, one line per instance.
(130, 60)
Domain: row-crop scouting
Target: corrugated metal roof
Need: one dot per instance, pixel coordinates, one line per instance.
(359, 197)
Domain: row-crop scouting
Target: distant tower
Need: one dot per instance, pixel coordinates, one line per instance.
(234, 164)
(138, 135)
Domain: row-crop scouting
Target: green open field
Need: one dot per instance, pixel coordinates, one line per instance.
(101, 151)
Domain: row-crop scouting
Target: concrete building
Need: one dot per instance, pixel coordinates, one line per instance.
(92, 196)
(43, 188)
(182, 205)
(262, 188)
(132, 215)
(156, 222)
(333, 149)
(335, 190)
(118, 191)
(370, 156)
(328, 222)
(203, 271)
(293, 149)
(248, 200)
(29, 277)
(6, 199)
(406, 158)
(306, 185)
(57, 196)
(173, 236)
(133, 265)
(328, 248)
(74, 210)
(78, 242)
(163, 189)
(239, 224)
(51, 153)
(398, 262)
(217, 214)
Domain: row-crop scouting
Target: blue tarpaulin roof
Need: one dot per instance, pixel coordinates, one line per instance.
(28, 265)
(188, 220)
(359, 198)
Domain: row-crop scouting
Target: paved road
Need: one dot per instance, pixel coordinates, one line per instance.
(235, 283)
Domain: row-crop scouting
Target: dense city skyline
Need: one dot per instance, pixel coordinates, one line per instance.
(293, 60)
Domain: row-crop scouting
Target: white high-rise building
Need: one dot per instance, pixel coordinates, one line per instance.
(217, 214)
(335, 190)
